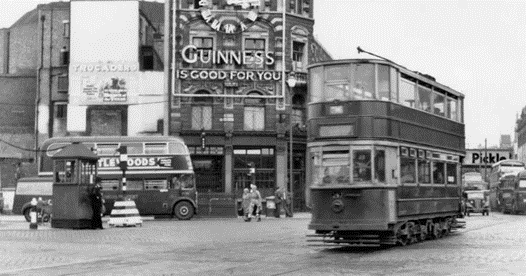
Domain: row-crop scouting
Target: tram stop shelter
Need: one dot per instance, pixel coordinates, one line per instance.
(74, 174)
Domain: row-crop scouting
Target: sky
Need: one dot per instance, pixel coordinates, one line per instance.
(475, 47)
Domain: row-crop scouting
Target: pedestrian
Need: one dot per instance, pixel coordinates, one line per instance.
(286, 203)
(245, 204)
(96, 205)
(278, 194)
(255, 202)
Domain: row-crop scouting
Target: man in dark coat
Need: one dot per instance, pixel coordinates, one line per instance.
(96, 206)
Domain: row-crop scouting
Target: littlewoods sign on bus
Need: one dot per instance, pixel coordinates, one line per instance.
(191, 54)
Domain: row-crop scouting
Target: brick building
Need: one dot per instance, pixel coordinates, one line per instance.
(229, 97)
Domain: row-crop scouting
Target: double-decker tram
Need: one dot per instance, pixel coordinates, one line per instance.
(384, 149)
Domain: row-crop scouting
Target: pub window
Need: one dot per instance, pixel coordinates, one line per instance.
(407, 93)
(362, 165)
(424, 171)
(438, 172)
(202, 112)
(147, 58)
(383, 82)
(424, 98)
(407, 170)
(255, 46)
(379, 165)
(61, 111)
(363, 87)
(65, 31)
(204, 46)
(254, 113)
(451, 172)
(438, 104)
(64, 56)
(298, 49)
(298, 110)
(62, 84)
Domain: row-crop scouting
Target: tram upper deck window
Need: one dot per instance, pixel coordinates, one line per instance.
(363, 86)
(316, 84)
(383, 82)
(407, 93)
(439, 106)
(424, 98)
(362, 165)
(452, 108)
(337, 92)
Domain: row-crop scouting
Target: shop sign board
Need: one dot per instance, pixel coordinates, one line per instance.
(481, 156)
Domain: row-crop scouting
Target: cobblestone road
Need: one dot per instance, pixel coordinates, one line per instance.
(493, 245)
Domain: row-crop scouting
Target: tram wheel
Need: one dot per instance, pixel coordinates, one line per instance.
(437, 232)
(423, 233)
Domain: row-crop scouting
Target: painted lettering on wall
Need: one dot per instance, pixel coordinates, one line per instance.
(96, 68)
(191, 54)
(228, 75)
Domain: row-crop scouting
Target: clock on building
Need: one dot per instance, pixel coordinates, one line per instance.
(243, 14)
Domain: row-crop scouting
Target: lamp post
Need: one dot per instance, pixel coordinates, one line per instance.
(291, 82)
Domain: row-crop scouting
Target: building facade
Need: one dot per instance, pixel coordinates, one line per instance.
(230, 99)
(115, 69)
(520, 134)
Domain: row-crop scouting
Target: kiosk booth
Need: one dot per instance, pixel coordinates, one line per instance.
(74, 174)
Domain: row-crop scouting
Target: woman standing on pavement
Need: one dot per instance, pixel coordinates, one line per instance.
(255, 202)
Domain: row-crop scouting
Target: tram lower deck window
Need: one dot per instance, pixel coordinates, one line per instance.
(407, 170)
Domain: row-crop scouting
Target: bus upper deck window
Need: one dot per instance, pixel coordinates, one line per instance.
(107, 149)
(177, 148)
(155, 148)
(134, 148)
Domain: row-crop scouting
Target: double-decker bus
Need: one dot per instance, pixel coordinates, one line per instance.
(159, 176)
(504, 193)
(384, 145)
(498, 174)
(518, 194)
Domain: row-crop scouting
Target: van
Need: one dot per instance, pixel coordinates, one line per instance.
(28, 188)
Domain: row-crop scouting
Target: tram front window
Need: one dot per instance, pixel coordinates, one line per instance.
(362, 165)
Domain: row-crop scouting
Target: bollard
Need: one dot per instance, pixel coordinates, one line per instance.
(33, 214)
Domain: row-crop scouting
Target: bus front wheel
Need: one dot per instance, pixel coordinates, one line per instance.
(184, 210)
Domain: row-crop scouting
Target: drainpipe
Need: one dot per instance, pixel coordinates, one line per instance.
(50, 92)
(39, 70)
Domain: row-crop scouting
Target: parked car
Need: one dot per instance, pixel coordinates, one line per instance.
(476, 201)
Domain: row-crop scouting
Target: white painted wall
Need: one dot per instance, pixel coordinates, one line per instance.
(104, 31)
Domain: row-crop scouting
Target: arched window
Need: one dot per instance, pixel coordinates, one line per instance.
(202, 111)
(254, 112)
(298, 110)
